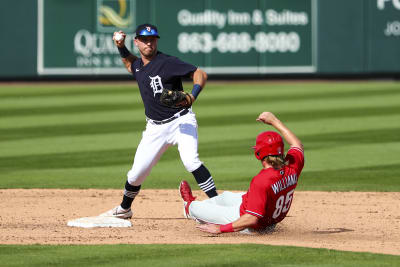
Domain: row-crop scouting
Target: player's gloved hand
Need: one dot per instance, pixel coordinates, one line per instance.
(176, 99)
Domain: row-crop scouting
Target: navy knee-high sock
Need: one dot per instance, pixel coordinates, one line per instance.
(205, 181)
(130, 193)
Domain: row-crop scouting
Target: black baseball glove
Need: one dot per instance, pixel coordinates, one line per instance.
(175, 99)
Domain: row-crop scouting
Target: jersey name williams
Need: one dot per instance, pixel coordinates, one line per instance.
(156, 85)
(284, 183)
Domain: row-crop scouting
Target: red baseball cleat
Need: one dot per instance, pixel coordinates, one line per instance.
(187, 197)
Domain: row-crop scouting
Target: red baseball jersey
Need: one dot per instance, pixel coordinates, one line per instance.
(271, 191)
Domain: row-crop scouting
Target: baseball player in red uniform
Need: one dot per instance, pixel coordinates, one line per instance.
(270, 195)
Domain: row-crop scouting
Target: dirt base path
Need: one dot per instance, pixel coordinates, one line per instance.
(354, 221)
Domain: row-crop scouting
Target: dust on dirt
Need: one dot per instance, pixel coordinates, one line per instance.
(351, 221)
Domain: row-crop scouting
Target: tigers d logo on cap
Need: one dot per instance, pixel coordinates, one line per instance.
(146, 30)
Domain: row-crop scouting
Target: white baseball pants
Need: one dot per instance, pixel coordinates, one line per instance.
(157, 138)
(222, 209)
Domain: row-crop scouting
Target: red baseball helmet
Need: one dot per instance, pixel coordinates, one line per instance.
(267, 144)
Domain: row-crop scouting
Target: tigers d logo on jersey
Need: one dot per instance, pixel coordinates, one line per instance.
(156, 84)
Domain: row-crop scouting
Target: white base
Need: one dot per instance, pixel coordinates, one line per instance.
(99, 221)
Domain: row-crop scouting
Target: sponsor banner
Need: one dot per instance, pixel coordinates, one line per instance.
(227, 37)
(383, 36)
(223, 37)
(75, 37)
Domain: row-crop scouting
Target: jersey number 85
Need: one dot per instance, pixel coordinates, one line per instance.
(280, 207)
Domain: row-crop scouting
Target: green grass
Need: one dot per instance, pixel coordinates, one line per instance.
(186, 255)
(85, 136)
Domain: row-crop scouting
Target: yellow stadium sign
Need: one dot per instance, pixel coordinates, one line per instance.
(115, 14)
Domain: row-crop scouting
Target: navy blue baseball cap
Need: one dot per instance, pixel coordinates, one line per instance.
(146, 30)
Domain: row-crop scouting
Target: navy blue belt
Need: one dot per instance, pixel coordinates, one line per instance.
(176, 115)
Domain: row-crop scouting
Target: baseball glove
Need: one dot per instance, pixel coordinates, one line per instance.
(175, 99)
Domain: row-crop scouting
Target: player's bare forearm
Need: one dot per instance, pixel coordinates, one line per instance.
(126, 57)
(288, 135)
(128, 61)
(200, 77)
(243, 222)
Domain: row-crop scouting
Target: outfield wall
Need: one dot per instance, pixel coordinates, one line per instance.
(46, 38)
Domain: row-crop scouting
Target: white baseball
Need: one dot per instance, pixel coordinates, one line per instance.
(118, 36)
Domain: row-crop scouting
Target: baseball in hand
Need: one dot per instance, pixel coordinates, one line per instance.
(118, 36)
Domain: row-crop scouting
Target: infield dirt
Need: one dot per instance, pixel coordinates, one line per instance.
(351, 221)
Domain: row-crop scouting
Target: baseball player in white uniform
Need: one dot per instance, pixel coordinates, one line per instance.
(166, 125)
